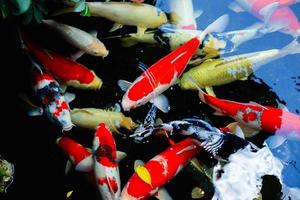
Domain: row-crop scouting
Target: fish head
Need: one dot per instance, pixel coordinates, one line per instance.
(97, 48)
(128, 104)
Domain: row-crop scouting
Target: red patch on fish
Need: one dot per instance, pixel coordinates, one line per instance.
(111, 184)
(60, 108)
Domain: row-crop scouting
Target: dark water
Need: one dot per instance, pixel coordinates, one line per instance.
(29, 143)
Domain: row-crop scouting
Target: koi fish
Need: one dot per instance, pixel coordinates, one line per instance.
(221, 71)
(105, 163)
(91, 117)
(78, 38)
(53, 101)
(256, 116)
(270, 12)
(66, 70)
(150, 178)
(182, 14)
(143, 16)
(164, 73)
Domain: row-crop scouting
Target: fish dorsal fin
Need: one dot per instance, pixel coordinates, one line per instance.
(93, 33)
(235, 7)
(124, 85)
(142, 172)
(283, 107)
(162, 103)
(162, 194)
(69, 97)
(198, 13)
(257, 104)
(115, 27)
(120, 156)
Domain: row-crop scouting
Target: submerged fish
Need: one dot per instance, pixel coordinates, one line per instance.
(221, 71)
(91, 117)
(54, 103)
(79, 38)
(105, 164)
(66, 70)
(271, 12)
(272, 120)
(6, 174)
(150, 178)
(143, 16)
(164, 73)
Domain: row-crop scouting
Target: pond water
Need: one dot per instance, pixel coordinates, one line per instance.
(30, 142)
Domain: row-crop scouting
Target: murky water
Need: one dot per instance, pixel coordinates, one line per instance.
(30, 142)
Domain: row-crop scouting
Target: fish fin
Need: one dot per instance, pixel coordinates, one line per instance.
(257, 104)
(128, 42)
(217, 26)
(244, 79)
(63, 88)
(248, 132)
(69, 194)
(68, 167)
(198, 13)
(268, 10)
(120, 156)
(115, 27)
(162, 103)
(158, 121)
(142, 172)
(210, 91)
(142, 66)
(275, 141)
(93, 33)
(85, 165)
(291, 48)
(69, 97)
(235, 7)
(218, 113)
(197, 193)
(140, 31)
(36, 112)
(283, 107)
(162, 194)
(77, 55)
(124, 85)
(117, 107)
(239, 132)
(201, 93)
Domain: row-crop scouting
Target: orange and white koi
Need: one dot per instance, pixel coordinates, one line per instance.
(164, 73)
(150, 178)
(66, 70)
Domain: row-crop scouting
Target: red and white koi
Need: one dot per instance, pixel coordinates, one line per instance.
(256, 116)
(164, 73)
(271, 12)
(105, 164)
(150, 178)
(66, 70)
(52, 99)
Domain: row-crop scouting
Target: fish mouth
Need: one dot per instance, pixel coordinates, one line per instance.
(67, 128)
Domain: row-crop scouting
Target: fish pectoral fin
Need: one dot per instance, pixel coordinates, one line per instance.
(283, 107)
(36, 112)
(235, 7)
(124, 85)
(162, 103)
(198, 13)
(218, 113)
(85, 165)
(68, 167)
(93, 33)
(275, 141)
(77, 55)
(163, 194)
(115, 27)
(63, 88)
(140, 31)
(268, 10)
(120, 156)
(210, 91)
(239, 132)
(69, 97)
(138, 163)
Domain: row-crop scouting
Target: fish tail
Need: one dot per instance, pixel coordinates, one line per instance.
(201, 93)
(291, 48)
